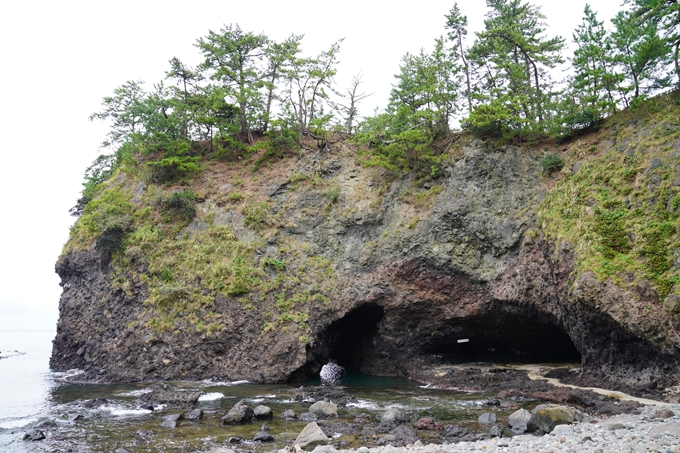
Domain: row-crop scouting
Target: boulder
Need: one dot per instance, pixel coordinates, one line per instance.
(396, 414)
(487, 418)
(404, 434)
(195, 415)
(496, 431)
(324, 409)
(519, 421)
(263, 436)
(310, 437)
(169, 424)
(308, 417)
(456, 431)
(34, 434)
(288, 414)
(546, 416)
(240, 414)
(325, 449)
(170, 396)
(664, 413)
(263, 413)
(47, 424)
(427, 424)
(174, 417)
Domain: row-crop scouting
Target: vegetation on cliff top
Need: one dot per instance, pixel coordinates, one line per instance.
(253, 101)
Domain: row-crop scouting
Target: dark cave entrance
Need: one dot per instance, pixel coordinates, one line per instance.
(347, 341)
(350, 339)
(505, 338)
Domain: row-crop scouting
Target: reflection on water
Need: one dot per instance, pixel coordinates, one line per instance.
(31, 393)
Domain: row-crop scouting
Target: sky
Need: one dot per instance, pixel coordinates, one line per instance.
(58, 58)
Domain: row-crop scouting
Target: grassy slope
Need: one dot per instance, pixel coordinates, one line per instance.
(621, 210)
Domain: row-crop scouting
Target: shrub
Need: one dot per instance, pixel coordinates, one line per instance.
(111, 239)
(256, 215)
(552, 162)
(173, 167)
(181, 204)
(235, 197)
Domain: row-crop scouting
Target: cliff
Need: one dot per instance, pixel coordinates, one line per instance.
(265, 274)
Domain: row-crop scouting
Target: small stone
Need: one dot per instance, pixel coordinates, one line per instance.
(487, 418)
(613, 426)
(288, 414)
(195, 415)
(34, 435)
(263, 436)
(235, 440)
(495, 431)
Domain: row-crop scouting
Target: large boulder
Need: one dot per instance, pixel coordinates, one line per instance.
(310, 437)
(240, 414)
(519, 421)
(546, 416)
(324, 409)
(395, 414)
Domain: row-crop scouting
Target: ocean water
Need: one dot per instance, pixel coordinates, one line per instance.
(30, 393)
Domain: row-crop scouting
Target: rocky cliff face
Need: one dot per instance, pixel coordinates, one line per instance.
(455, 271)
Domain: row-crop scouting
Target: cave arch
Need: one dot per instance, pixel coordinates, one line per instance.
(506, 338)
(348, 341)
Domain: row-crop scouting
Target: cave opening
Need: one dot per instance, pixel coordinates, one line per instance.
(350, 339)
(507, 338)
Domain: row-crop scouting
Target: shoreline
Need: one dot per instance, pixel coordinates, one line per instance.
(7, 354)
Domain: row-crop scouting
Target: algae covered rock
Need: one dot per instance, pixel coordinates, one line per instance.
(240, 414)
(546, 416)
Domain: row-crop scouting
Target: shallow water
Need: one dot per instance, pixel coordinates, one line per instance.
(30, 393)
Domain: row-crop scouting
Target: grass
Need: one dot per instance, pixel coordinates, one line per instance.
(621, 215)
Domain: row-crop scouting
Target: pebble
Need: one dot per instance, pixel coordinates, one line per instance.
(623, 433)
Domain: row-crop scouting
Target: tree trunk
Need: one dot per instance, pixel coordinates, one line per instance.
(467, 70)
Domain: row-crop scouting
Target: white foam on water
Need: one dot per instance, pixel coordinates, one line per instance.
(119, 411)
(139, 392)
(256, 400)
(211, 396)
(12, 423)
(224, 383)
(364, 404)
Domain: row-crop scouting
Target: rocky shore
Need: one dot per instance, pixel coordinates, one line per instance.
(4, 354)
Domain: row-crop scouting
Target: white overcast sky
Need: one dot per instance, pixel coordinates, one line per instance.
(59, 58)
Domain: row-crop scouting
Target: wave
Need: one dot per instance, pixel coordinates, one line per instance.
(12, 423)
(224, 383)
(211, 396)
(364, 404)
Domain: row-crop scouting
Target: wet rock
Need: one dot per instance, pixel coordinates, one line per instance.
(519, 421)
(235, 440)
(395, 414)
(263, 413)
(428, 424)
(170, 396)
(174, 417)
(34, 435)
(239, 414)
(308, 417)
(75, 418)
(263, 436)
(288, 414)
(90, 404)
(487, 418)
(195, 415)
(546, 416)
(664, 413)
(324, 409)
(310, 437)
(47, 424)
